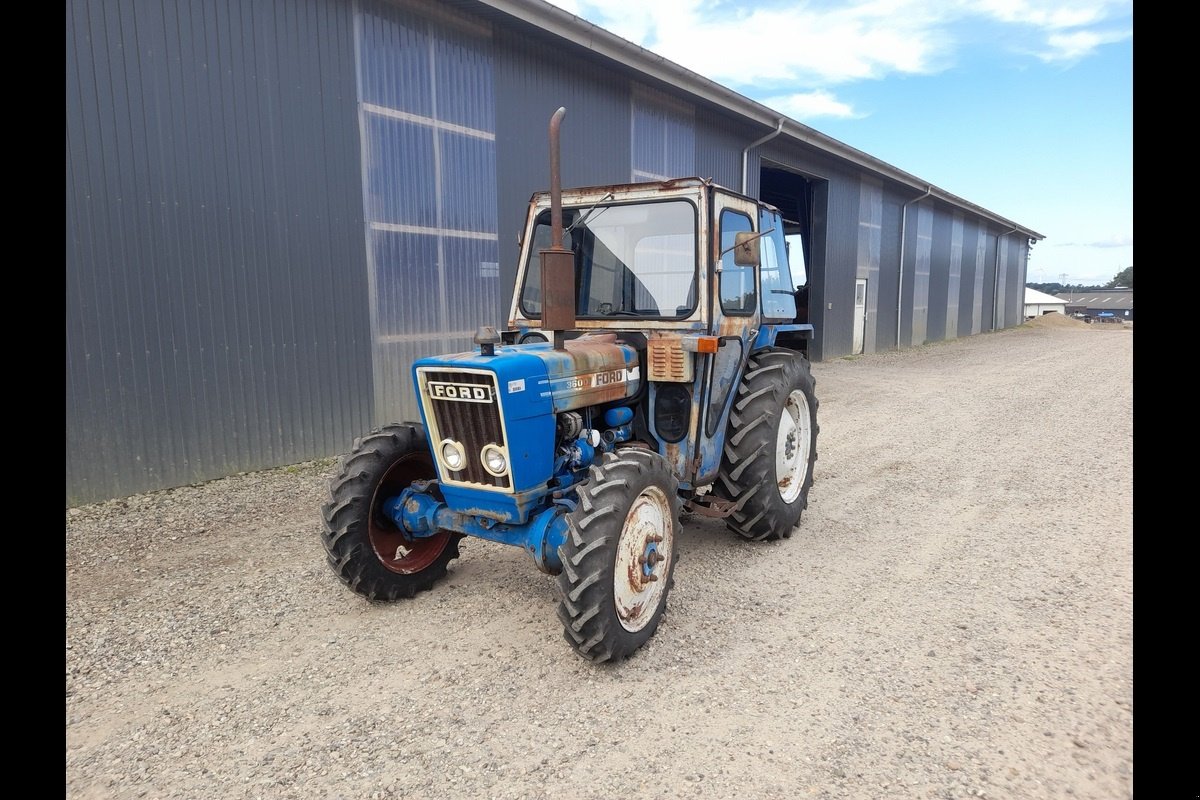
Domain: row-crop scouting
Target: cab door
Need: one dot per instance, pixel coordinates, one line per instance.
(735, 315)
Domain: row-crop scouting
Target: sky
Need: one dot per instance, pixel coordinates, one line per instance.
(1023, 108)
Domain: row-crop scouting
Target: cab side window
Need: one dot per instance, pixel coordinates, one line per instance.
(738, 293)
(779, 298)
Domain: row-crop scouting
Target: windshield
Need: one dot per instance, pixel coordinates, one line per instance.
(630, 260)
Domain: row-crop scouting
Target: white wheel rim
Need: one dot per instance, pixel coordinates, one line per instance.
(639, 579)
(792, 446)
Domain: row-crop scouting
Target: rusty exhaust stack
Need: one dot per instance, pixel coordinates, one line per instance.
(558, 263)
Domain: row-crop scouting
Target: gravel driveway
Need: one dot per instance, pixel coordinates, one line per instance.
(952, 619)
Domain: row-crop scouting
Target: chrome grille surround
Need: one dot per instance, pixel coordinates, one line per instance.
(463, 405)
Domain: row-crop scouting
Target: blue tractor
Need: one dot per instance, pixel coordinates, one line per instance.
(653, 365)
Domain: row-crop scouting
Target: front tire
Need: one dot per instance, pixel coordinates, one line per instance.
(770, 446)
(369, 553)
(619, 556)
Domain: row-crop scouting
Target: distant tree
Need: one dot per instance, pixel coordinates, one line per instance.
(1056, 288)
(1122, 278)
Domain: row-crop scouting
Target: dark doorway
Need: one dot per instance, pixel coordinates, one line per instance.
(798, 199)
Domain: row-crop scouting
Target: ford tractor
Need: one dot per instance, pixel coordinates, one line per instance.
(652, 366)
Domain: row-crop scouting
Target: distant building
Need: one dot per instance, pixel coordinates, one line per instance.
(1100, 305)
(1038, 303)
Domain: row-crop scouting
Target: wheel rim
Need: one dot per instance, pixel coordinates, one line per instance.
(394, 549)
(643, 559)
(792, 446)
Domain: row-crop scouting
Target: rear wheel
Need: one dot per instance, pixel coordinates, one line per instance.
(619, 556)
(367, 550)
(770, 446)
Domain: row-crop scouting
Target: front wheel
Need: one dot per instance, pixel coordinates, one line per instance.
(366, 549)
(619, 556)
(770, 445)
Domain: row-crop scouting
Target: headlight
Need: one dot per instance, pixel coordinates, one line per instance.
(494, 460)
(453, 455)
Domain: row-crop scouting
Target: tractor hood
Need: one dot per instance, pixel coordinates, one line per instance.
(591, 370)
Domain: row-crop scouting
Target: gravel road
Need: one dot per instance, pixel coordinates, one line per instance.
(952, 619)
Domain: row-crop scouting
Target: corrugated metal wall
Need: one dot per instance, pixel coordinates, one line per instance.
(595, 133)
(216, 284)
(939, 275)
(1018, 262)
(719, 143)
(953, 283)
(831, 293)
(981, 286)
(273, 207)
(889, 275)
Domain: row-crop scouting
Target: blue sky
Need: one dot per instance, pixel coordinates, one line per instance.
(1024, 108)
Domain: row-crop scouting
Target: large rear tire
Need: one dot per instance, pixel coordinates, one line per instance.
(770, 446)
(619, 556)
(366, 549)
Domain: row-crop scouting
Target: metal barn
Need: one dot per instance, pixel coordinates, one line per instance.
(273, 207)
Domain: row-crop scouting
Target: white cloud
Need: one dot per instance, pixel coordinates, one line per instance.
(806, 106)
(808, 45)
(1078, 44)
(1053, 15)
(815, 45)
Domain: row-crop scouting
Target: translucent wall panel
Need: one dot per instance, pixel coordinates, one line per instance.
(662, 136)
(870, 245)
(427, 115)
(924, 252)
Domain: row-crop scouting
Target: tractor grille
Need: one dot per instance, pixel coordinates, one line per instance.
(464, 407)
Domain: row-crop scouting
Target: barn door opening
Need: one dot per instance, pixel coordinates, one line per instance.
(801, 202)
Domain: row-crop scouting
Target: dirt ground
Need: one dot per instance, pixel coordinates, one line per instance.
(952, 619)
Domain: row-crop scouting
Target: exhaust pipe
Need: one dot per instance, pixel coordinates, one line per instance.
(558, 263)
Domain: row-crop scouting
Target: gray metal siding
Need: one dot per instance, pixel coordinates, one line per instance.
(953, 284)
(836, 286)
(1009, 309)
(230, 305)
(216, 283)
(939, 275)
(980, 288)
(719, 144)
(1000, 281)
(966, 281)
(595, 132)
(987, 311)
(1014, 306)
(889, 277)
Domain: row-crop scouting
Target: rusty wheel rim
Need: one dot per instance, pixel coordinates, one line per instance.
(393, 547)
(643, 559)
(792, 445)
